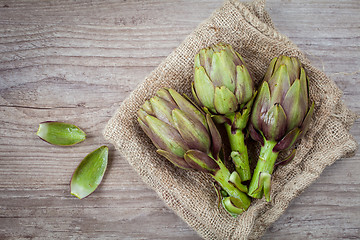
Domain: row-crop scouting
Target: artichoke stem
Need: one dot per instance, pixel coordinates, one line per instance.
(239, 152)
(239, 198)
(260, 182)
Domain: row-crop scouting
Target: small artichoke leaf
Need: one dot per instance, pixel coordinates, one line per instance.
(60, 133)
(241, 119)
(220, 119)
(89, 173)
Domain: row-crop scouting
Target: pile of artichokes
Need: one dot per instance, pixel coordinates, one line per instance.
(276, 115)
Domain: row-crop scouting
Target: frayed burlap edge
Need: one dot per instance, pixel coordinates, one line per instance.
(248, 27)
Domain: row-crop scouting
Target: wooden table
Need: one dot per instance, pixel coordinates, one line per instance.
(76, 61)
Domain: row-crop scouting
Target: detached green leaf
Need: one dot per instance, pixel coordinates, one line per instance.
(59, 133)
(89, 173)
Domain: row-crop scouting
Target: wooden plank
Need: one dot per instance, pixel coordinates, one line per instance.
(76, 61)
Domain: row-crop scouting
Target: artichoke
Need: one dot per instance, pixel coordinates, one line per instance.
(224, 88)
(281, 115)
(188, 138)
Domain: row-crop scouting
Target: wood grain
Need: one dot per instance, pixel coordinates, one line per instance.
(76, 61)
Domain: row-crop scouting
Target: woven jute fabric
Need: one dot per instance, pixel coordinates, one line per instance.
(249, 29)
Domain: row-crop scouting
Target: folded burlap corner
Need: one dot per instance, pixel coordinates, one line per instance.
(248, 28)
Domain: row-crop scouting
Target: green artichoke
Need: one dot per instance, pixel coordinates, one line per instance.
(224, 88)
(281, 115)
(188, 138)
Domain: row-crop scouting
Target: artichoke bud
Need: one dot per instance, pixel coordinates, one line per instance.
(201, 161)
(175, 125)
(285, 89)
(222, 83)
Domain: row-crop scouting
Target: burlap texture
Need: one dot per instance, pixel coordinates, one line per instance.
(248, 28)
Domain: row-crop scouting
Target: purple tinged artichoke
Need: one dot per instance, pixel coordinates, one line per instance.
(281, 115)
(189, 139)
(224, 88)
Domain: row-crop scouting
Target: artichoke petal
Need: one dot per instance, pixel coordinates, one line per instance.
(200, 161)
(90, 172)
(142, 114)
(294, 106)
(162, 109)
(187, 107)
(223, 70)
(255, 135)
(306, 123)
(215, 136)
(270, 70)
(304, 88)
(167, 137)
(224, 100)
(261, 105)
(194, 94)
(193, 132)
(279, 84)
(274, 123)
(204, 88)
(244, 85)
(287, 141)
(204, 59)
(148, 108)
(164, 94)
(295, 71)
(287, 61)
(177, 161)
(60, 133)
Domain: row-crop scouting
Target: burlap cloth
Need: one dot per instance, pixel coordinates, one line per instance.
(249, 29)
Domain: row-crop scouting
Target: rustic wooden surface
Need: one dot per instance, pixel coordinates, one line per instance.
(76, 61)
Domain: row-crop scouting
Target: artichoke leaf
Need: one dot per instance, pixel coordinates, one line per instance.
(89, 173)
